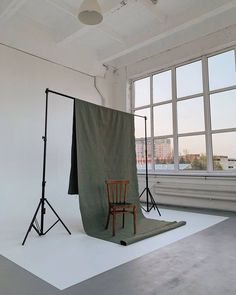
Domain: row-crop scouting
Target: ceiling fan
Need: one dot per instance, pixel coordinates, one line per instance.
(90, 12)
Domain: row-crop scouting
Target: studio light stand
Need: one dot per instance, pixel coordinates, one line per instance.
(39, 226)
(150, 202)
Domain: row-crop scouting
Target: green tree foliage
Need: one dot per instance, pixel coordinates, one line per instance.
(199, 164)
(217, 165)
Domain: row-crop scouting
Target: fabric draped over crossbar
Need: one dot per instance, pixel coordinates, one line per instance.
(103, 147)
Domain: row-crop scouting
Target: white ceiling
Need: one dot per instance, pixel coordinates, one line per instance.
(131, 30)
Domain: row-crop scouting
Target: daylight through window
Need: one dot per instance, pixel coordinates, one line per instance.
(191, 121)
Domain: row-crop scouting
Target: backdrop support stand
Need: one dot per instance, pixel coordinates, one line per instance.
(39, 228)
(149, 204)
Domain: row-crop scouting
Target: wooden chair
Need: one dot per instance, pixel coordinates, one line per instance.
(117, 193)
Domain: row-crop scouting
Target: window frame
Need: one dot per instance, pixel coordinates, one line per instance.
(208, 132)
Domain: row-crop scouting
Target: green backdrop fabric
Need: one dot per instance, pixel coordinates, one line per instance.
(103, 147)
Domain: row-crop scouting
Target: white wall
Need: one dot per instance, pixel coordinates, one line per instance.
(23, 80)
(184, 191)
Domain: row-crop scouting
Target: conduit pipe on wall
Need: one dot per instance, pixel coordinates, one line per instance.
(103, 101)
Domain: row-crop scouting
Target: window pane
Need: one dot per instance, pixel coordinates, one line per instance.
(192, 153)
(189, 79)
(224, 151)
(190, 115)
(222, 72)
(140, 123)
(163, 154)
(142, 92)
(140, 154)
(223, 107)
(163, 120)
(162, 89)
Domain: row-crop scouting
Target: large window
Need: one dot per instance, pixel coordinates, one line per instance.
(191, 116)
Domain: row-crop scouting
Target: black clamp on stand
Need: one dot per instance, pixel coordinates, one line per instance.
(150, 203)
(39, 228)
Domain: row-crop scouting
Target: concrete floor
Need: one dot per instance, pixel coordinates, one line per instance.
(204, 263)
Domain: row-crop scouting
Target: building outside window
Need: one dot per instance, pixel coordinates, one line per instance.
(191, 116)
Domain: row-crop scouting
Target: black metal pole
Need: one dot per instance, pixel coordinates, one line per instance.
(60, 94)
(44, 165)
(146, 159)
(34, 223)
(148, 192)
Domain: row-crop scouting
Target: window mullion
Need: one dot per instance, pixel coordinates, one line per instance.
(235, 56)
(175, 119)
(207, 114)
(152, 122)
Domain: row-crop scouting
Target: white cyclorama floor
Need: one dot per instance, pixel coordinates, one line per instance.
(63, 260)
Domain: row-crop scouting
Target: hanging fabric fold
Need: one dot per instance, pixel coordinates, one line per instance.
(103, 147)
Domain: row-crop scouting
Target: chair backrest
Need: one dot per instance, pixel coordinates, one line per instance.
(116, 190)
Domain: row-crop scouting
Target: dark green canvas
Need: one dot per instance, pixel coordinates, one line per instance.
(103, 147)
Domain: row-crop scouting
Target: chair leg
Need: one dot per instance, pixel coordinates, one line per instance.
(134, 219)
(108, 219)
(114, 222)
(123, 222)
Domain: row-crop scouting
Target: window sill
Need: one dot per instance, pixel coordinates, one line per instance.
(192, 173)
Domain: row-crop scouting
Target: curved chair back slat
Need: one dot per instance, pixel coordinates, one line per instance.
(117, 191)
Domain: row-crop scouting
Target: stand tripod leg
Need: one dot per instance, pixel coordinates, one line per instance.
(57, 216)
(152, 201)
(147, 202)
(142, 193)
(32, 223)
(154, 204)
(140, 197)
